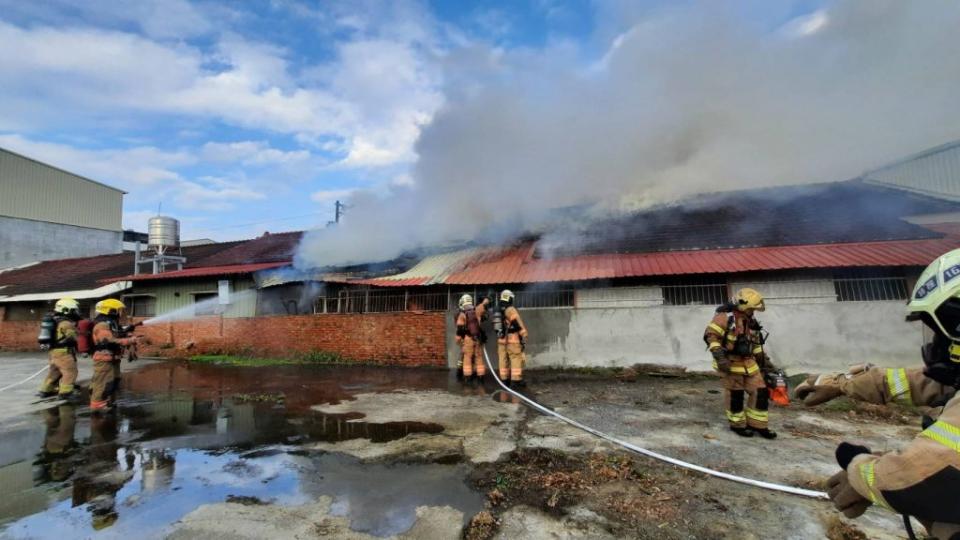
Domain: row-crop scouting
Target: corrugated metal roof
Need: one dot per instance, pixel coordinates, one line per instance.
(515, 265)
(203, 272)
(431, 270)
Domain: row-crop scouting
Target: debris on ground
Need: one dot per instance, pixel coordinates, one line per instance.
(482, 526)
(837, 529)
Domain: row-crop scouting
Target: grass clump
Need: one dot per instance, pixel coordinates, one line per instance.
(249, 360)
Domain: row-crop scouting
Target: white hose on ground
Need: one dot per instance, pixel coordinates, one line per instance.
(649, 453)
(9, 386)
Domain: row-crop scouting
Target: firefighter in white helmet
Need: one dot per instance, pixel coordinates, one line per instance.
(735, 340)
(511, 341)
(470, 337)
(62, 373)
(922, 480)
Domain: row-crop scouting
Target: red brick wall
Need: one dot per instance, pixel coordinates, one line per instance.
(19, 335)
(408, 339)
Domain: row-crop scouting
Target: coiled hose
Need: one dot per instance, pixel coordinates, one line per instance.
(649, 453)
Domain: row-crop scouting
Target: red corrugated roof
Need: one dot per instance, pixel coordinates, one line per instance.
(203, 272)
(514, 265)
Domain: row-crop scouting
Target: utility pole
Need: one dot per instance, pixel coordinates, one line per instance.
(339, 208)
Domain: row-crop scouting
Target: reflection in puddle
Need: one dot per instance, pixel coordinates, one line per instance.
(186, 436)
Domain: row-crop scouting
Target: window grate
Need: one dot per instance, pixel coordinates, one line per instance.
(871, 289)
(711, 294)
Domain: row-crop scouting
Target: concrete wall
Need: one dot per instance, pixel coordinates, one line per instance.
(23, 241)
(804, 337)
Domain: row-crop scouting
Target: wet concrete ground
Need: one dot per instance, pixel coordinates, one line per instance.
(16, 367)
(199, 451)
(187, 435)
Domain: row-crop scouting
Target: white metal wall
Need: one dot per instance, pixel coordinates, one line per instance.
(32, 190)
(936, 172)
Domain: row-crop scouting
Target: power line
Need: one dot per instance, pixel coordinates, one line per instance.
(273, 220)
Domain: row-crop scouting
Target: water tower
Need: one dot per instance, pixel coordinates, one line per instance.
(163, 238)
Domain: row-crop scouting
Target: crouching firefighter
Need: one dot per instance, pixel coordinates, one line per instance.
(511, 341)
(470, 337)
(62, 373)
(735, 339)
(923, 479)
(108, 349)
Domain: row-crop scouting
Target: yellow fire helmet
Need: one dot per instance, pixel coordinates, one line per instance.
(749, 299)
(65, 306)
(936, 297)
(110, 306)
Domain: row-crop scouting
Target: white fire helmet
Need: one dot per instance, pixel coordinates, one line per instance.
(506, 296)
(466, 300)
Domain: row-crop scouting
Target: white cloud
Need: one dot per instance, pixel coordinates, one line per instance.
(374, 95)
(806, 25)
(331, 195)
(251, 153)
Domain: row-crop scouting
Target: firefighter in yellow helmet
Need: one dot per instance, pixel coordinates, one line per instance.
(108, 349)
(511, 337)
(470, 337)
(62, 373)
(735, 339)
(921, 480)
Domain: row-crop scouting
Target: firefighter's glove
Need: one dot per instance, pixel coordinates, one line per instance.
(844, 497)
(819, 389)
(846, 452)
(723, 363)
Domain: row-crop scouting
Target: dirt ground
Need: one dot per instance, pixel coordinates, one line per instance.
(544, 479)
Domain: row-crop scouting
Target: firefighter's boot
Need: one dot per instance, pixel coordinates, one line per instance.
(742, 431)
(766, 433)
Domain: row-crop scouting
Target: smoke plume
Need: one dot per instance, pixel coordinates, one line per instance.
(690, 99)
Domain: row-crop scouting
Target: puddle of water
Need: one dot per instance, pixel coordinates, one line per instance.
(190, 435)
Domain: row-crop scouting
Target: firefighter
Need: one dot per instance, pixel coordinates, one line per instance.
(470, 337)
(62, 373)
(921, 480)
(108, 349)
(511, 340)
(735, 339)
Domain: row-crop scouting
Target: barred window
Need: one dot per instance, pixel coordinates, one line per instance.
(141, 306)
(544, 299)
(380, 301)
(693, 293)
(871, 289)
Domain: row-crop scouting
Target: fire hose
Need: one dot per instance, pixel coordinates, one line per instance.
(9, 386)
(649, 453)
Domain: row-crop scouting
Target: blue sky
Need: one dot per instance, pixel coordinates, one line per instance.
(241, 117)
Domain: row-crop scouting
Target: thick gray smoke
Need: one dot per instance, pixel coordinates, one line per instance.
(688, 100)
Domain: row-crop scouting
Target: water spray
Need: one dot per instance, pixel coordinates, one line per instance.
(649, 453)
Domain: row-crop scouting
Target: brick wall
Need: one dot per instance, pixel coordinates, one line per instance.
(18, 335)
(406, 339)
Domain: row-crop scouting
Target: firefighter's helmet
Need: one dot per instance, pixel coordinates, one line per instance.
(936, 297)
(507, 296)
(110, 306)
(466, 300)
(66, 306)
(749, 299)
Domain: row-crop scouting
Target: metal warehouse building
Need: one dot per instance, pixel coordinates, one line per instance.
(48, 213)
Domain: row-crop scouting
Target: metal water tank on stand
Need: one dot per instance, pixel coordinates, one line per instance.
(163, 235)
(163, 232)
